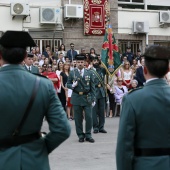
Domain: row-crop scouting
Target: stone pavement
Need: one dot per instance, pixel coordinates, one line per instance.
(72, 155)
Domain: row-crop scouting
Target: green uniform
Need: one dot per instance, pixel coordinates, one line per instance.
(34, 69)
(82, 97)
(100, 93)
(16, 86)
(144, 124)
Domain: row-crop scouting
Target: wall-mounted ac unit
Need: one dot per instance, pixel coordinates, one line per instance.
(140, 27)
(73, 11)
(20, 9)
(164, 16)
(50, 15)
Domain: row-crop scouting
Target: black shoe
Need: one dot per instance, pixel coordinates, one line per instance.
(81, 140)
(95, 131)
(91, 140)
(102, 131)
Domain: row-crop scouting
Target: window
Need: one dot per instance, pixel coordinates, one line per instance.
(52, 42)
(163, 43)
(135, 45)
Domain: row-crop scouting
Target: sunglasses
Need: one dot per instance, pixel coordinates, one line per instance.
(72, 45)
(127, 64)
(120, 80)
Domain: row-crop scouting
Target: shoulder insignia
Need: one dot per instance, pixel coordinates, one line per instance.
(130, 91)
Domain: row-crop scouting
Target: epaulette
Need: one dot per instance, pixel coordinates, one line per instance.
(130, 91)
(40, 75)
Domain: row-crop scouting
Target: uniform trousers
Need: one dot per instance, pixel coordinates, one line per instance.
(98, 114)
(78, 116)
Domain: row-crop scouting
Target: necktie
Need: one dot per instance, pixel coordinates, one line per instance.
(81, 73)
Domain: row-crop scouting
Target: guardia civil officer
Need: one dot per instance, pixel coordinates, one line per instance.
(80, 80)
(24, 101)
(144, 136)
(98, 110)
(29, 64)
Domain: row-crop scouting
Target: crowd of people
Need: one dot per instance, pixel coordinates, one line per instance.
(58, 64)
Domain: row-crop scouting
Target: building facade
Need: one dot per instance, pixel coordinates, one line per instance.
(136, 23)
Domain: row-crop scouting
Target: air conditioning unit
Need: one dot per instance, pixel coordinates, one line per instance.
(140, 27)
(20, 9)
(164, 16)
(50, 15)
(73, 11)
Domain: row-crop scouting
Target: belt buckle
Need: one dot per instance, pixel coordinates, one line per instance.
(99, 85)
(80, 93)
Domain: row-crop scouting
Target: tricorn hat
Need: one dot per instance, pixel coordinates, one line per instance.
(157, 52)
(17, 39)
(31, 55)
(80, 57)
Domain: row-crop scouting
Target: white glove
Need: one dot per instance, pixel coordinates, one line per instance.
(74, 84)
(93, 104)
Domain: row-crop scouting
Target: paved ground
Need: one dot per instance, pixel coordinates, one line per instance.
(72, 155)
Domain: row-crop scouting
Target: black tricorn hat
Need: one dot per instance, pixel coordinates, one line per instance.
(17, 39)
(157, 52)
(31, 55)
(94, 57)
(80, 57)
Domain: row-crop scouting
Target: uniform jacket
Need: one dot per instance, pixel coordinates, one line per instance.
(144, 123)
(99, 91)
(34, 69)
(16, 86)
(85, 84)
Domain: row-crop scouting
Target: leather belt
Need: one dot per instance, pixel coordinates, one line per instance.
(152, 151)
(18, 140)
(81, 93)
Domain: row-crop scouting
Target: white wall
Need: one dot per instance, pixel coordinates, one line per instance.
(159, 2)
(17, 23)
(126, 18)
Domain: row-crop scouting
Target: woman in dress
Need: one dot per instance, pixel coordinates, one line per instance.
(127, 74)
(62, 50)
(64, 90)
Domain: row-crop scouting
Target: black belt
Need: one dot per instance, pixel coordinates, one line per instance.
(152, 151)
(81, 93)
(18, 140)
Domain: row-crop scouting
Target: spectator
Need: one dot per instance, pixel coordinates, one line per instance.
(41, 61)
(129, 55)
(92, 52)
(46, 60)
(71, 53)
(62, 50)
(138, 55)
(127, 74)
(61, 58)
(52, 76)
(37, 53)
(50, 57)
(58, 71)
(139, 74)
(64, 90)
(134, 66)
(134, 84)
(55, 54)
(120, 90)
(46, 51)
